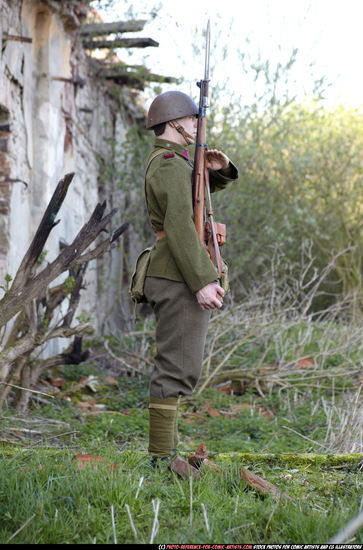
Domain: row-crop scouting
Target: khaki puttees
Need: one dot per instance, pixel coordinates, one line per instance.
(162, 426)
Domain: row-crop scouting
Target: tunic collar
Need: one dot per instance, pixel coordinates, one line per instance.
(166, 144)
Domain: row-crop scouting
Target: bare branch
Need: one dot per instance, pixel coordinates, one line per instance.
(46, 225)
(26, 287)
(29, 342)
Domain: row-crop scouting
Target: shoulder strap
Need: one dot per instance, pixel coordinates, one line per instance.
(153, 155)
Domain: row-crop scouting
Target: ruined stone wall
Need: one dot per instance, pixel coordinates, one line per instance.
(54, 118)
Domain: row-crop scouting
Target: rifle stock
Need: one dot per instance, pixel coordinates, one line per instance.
(199, 178)
(201, 174)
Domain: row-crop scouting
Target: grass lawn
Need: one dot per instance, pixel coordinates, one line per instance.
(48, 496)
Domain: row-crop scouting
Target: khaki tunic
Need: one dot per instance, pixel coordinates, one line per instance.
(180, 256)
(179, 266)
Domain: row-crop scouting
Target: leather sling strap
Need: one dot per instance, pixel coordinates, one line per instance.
(179, 128)
(154, 154)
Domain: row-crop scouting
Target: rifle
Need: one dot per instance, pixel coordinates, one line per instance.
(206, 230)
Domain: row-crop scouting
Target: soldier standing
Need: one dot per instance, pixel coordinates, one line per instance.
(182, 282)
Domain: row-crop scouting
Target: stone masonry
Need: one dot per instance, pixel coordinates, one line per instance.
(55, 118)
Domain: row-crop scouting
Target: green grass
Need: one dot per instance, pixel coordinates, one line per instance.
(70, 505)
(45, 498)
(41, 481)
(124, 423)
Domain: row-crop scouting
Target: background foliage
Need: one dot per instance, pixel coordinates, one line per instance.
(300, 185)
(301, 180)
(300, 164)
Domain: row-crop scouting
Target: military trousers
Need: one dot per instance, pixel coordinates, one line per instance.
(181, 329)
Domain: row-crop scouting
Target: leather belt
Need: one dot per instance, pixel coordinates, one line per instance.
(160, 235)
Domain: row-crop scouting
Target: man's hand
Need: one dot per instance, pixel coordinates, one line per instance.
(216, 160)
(210, 296)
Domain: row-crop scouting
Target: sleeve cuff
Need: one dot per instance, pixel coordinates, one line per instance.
(230, 172)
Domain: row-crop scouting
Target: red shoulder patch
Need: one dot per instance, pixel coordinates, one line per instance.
(169, 156)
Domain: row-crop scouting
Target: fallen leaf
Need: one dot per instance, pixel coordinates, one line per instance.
(267, 368)
(191, 420)
(234, 411)
(88, 459)
(58, 382)
(305, 362)
(90, 405)
(266, 413)
(227, 389)
(83, 404)
(201, 452)
(93, 462)
(213, 412)
(110, 380)
(193, 417)
(199, 456)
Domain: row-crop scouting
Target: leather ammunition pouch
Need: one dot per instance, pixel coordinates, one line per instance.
(220, 232)
(138, 278)
(220, 229)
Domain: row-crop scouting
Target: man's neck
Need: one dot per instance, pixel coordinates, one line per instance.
(171, 134)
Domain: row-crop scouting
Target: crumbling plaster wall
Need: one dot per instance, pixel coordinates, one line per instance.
(54, 127)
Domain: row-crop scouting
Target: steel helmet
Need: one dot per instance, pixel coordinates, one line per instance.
(170, 106)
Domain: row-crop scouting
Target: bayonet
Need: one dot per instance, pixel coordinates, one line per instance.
(206, 67)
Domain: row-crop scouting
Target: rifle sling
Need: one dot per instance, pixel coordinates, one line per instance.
(152, 156)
